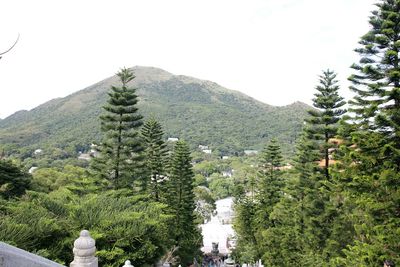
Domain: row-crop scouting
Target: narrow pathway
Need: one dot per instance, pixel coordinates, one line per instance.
(219, 228)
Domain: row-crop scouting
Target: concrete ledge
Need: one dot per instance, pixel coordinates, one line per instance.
(11, 256)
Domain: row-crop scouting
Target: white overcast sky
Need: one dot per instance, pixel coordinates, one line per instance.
(272, 50)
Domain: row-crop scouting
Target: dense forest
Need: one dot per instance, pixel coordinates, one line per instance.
(325, 193)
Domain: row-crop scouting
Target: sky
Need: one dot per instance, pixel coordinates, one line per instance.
(272, 50)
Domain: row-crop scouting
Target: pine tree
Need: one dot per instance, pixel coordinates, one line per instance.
(13, 181)
(377, 78)
(272, 158)
(269, 194)
(120, 159)
(302, 187)
(180, 199)
(313, 189)
(294, 239)
(270, 185)
(245, 228)
(155, 155)
(323, 122)
(371, 178)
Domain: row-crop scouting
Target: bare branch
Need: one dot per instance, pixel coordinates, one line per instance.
(8, 50)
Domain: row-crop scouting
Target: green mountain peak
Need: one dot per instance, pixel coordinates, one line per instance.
(199, 111)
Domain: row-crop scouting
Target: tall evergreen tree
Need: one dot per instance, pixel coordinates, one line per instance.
(13, 181)
(120, 159)
(155, 156)
(323, 121)
(253, 222)
(270, 184)
(371, 177)
(272, 158)
(377, 79)
(181, 201)
(311, 188)
(247, 247)
(293, 239)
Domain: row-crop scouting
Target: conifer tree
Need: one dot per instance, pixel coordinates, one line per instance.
(312, 188)
(272, 158)
(377, 79)
(302, 187)
(371, 177)
(120, 159)
(270, 186)
(13, 181)
(293, 237)
(155, 156)
(246, 229)
(316, 210)
(180, 199)
(323, 122)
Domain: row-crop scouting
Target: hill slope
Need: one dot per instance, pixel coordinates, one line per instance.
(201, 112)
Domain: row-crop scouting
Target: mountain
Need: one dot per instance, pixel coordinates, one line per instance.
(201, 112)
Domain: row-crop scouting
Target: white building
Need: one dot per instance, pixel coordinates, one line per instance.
(250, 152)
(32, 169)
(202, 147)
(38, 151)
(227, 173)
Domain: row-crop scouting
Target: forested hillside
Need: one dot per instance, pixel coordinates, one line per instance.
(201, 112)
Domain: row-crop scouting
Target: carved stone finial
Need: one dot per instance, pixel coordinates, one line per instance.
(84, 251)
(128, 264)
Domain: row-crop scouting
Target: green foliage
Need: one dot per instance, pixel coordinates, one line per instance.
(185, 106)
(376, 81)
(181, 202)
(124, 227)
(370, 185)
(13, 181)
(205, 203)
(221, 187)
(342, 215)
(120, 152)
(254, 221)
(323, 122)
(200, 180)
(347, 215)
(270, 183)
(289, 218)
(75, 179)
(155, 157)
(247, 249)
(371, 164)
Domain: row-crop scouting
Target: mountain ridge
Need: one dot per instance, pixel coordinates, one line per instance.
(178, 75)
(193, 109)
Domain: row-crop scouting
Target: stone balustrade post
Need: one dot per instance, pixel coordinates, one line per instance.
(84, 251)
(127, 264)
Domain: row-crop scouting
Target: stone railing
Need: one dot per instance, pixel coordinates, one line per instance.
(84, 255)
(14, 257)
